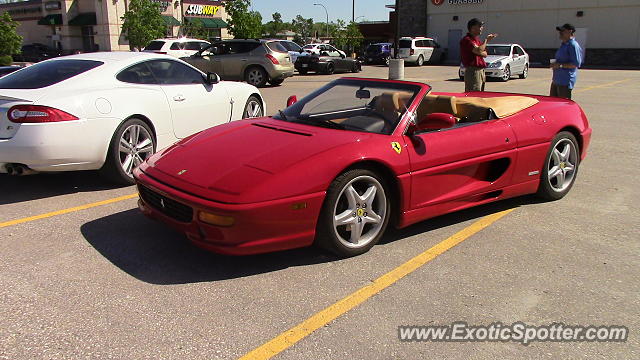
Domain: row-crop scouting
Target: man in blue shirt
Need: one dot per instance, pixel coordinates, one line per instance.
(568, 60)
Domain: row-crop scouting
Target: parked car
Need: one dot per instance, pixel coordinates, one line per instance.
(180, 47)
(4, 70)
(294, 49)
(356, 156)
(36, 52)
(254, 61)
(419, 50)
(319, 48)
(379, 53)
(504, 61)
(327, 62)
(110, 111)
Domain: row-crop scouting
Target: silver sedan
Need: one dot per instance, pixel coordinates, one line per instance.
(504, 61)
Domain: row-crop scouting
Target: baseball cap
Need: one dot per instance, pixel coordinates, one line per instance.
(566, 27)
(474, 22)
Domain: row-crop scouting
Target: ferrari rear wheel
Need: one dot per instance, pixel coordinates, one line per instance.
(355, 213)
(560, 167)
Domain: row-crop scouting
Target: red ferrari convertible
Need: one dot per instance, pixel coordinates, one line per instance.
(342, 164)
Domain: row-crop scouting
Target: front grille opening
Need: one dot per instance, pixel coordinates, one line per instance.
(173, 209)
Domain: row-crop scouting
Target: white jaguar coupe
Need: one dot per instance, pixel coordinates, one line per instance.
(110, 111)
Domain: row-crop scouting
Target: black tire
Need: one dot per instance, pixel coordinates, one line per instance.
(330, 236)
(461, 78)
(116, 160)
(256, 76)
(552, 189)
(276, 82)
(253, 108)
(420, 61)
(525, 72)
(330, 69)
(356, 68)
(507, 74)
(303, 71)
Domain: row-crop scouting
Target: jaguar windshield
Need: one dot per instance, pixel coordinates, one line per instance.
(355, 105)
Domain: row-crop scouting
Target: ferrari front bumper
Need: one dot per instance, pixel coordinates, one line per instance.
(257, 228)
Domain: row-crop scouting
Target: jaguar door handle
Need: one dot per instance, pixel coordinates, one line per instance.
(179, 98)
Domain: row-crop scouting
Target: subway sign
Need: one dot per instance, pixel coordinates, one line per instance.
(202, 10)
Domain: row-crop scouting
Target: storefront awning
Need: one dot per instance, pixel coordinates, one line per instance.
(215, 23)
(84, 19)
(170, 20)
(52, 19)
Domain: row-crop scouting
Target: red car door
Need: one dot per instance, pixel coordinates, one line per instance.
(460, 163)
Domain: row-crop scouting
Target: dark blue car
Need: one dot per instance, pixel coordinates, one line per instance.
(379, 53)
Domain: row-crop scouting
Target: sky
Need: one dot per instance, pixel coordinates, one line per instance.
(366, 10)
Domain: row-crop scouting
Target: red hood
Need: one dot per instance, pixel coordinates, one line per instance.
(223, 162)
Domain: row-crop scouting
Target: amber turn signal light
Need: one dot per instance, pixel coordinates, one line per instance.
(217, 220)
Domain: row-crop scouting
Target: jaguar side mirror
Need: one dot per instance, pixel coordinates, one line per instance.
(212, 78)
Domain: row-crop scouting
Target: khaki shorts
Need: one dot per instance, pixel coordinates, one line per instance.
(474, 79)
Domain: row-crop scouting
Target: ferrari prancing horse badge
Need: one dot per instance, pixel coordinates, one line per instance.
(396, 146)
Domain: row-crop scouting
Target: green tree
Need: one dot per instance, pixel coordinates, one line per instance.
(142, 23)
(10, 41)
(348, 37)
(194, 28)
(243, 24)
(275, 26)
(303, 28)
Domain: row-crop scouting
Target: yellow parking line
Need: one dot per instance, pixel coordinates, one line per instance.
(66, 211)
(318, 320)
(601, 85)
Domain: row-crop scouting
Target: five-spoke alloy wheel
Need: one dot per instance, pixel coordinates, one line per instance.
(355, 213)
(561, 167)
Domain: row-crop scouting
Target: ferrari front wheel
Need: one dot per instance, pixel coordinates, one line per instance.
(355, 213)
(560, 167)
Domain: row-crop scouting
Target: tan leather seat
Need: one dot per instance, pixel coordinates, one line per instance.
(389, 105)
(437, 104)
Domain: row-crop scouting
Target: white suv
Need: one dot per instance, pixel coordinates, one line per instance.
(419, 50)
(180, 47)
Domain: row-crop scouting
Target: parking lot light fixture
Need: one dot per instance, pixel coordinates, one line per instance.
(326, 12)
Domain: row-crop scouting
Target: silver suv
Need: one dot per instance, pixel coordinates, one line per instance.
(254, 61)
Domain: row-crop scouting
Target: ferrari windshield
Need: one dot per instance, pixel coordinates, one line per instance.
(353, 104)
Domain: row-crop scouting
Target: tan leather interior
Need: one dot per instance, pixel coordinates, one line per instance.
(503, 106)
(437, 104)
(473, 108)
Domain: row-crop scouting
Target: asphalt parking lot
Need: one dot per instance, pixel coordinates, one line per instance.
(94, 279)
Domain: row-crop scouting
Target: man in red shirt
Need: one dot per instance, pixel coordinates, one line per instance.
(473, 52)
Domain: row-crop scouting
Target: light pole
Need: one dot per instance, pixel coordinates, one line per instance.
(353, 11)
(325, 10)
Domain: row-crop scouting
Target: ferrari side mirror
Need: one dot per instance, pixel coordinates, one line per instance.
(435, 121)
(292, 100)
